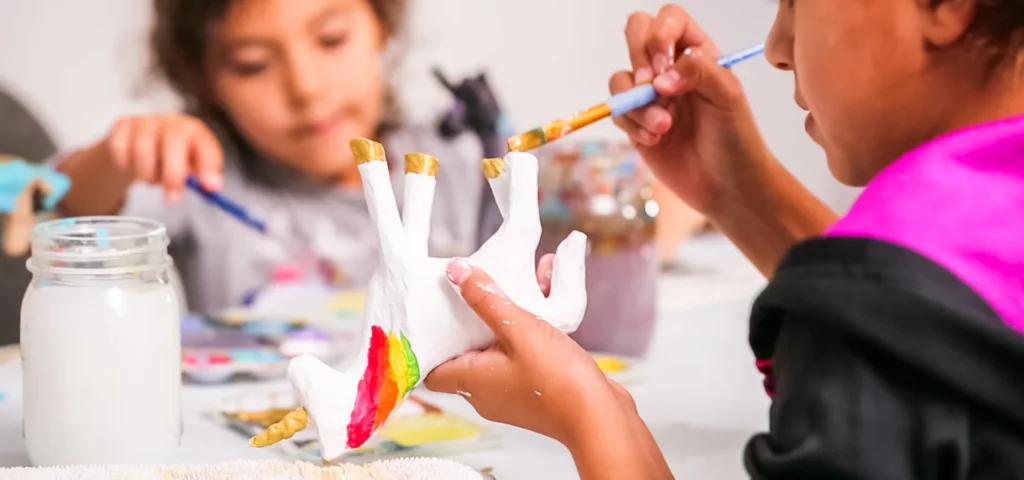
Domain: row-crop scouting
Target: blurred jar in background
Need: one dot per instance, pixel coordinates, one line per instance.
(605, 191)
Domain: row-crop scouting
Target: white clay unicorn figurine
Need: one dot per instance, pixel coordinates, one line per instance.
(415, 320)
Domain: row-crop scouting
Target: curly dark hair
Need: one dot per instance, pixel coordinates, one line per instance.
(180, 36)
(998, 28)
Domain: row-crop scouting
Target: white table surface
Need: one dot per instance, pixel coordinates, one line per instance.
(698, 391)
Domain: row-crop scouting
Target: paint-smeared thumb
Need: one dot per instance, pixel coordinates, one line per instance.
(475, 286)
(487, 299)
(458, 271)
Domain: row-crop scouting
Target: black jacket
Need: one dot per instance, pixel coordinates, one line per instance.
(884, 366)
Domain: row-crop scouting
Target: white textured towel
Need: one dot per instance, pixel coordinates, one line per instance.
(397, 469)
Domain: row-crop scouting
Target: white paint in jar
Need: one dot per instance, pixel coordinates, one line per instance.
(101, 345)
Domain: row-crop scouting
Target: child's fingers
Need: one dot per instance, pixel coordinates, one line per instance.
(511, 325)
(477, 372)
(207, 157)
(653, 119)
(672, 29)
(119, 142)
(620, 82)
(143, 149)
(545, 267)
(636, 133)
(698, 71)
(637, 27)
(173, 163)
(453, 375)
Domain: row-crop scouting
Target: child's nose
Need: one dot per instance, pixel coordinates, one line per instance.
(779, 44)
(305, 82)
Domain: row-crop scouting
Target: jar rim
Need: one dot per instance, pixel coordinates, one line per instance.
(49, 230)
(98, 245)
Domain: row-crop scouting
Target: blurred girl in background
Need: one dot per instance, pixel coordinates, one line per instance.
(273, 91)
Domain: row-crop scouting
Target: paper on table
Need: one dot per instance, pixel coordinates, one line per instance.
(413, 430)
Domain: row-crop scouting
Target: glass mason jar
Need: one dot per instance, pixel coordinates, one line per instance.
(604, 191)
(101, 344)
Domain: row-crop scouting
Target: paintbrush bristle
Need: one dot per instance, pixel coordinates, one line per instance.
(527, 141)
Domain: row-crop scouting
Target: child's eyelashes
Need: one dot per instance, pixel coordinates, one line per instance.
(251, 67)
(333, 41)
(248, 69)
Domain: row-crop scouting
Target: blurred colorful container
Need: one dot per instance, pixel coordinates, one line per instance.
(604, 190)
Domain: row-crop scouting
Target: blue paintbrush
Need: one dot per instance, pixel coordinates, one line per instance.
(618, 104)
(228, 206)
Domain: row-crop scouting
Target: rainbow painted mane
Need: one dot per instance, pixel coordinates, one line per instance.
(391, 373)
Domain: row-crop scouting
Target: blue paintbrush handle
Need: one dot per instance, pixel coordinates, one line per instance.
(230, 207)
(644, 94)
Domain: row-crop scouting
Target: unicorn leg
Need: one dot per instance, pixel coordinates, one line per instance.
(495, 171)
(380, 198)
(420, 182)
(523, 220)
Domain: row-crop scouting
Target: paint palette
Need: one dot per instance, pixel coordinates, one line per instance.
(417, 429)
(215, 350)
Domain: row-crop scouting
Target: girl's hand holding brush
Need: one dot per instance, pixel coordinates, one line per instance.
(161, 150)
(165, 150)
(699, 136)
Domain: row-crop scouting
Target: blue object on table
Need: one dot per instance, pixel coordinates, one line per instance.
(193, 323)
(254, 355)
(267, 328)
(16, 175)
(232, 208)
(644, 94)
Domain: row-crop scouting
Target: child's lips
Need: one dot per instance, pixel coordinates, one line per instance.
(320, 127)
(810, 126)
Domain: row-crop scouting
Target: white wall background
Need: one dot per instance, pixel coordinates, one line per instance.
(81, 64)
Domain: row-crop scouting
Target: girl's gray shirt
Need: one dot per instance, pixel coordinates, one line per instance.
(221, 261)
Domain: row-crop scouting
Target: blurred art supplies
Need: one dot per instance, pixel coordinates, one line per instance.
(217, 350)
(295, 293)
(604, 190)
(26, 192)
(620, 369)
(418, 428)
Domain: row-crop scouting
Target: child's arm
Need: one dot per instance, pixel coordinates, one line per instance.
(539, 379)
(98, 185)
(767, 211)
(616, 444)
(159, 150)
